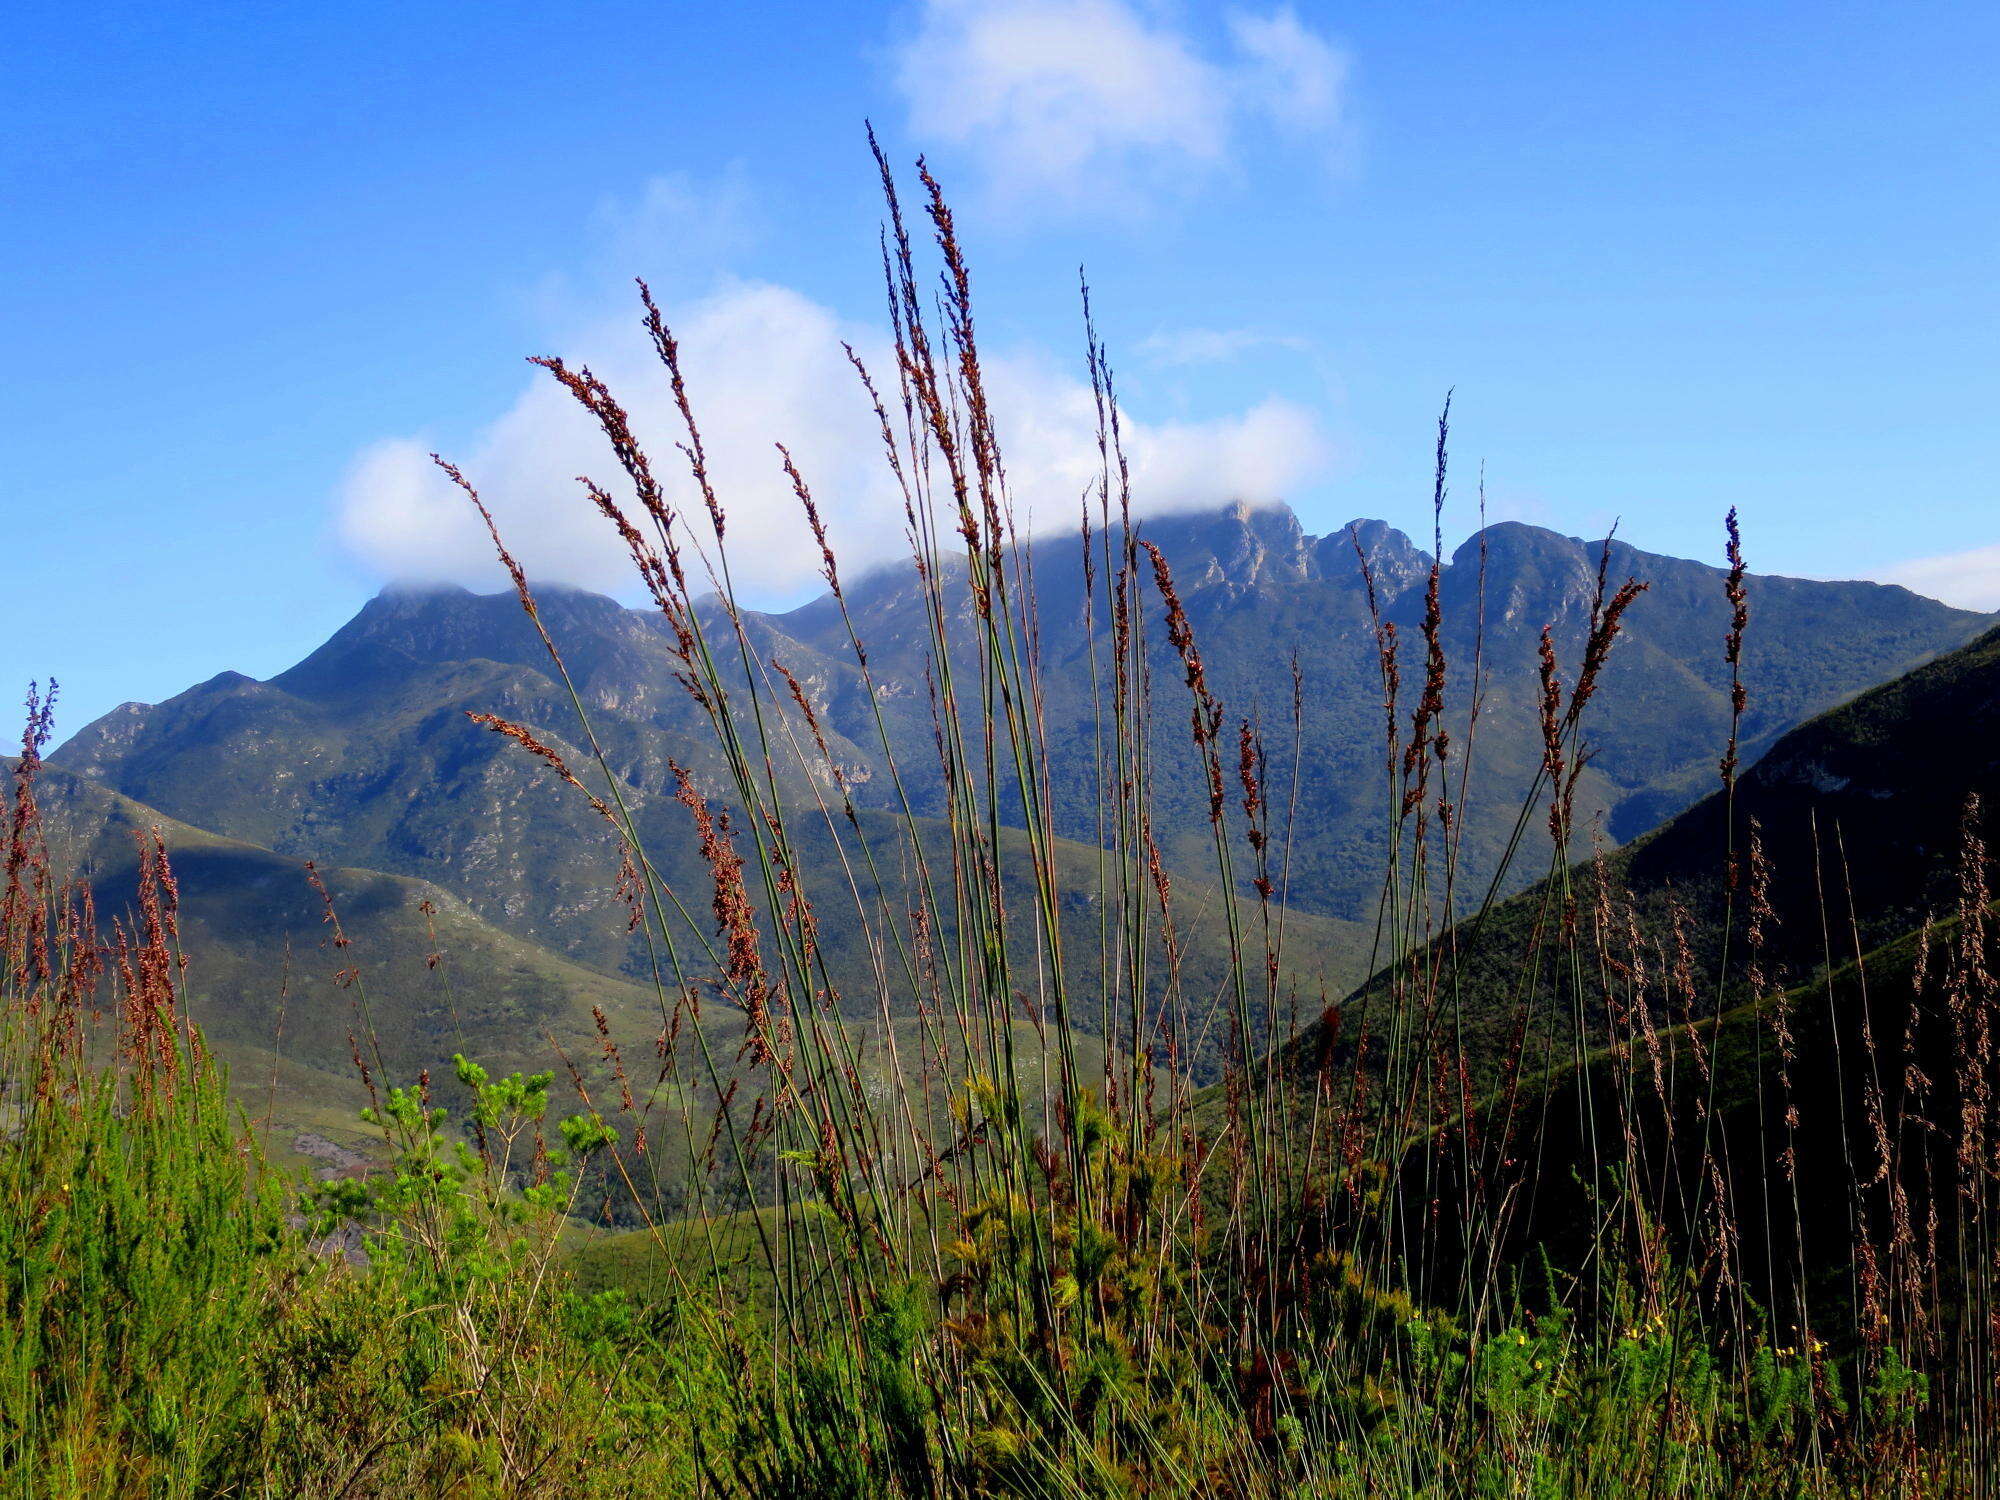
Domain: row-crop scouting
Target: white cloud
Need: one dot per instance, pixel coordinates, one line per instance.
(764, 365)
(673, 223)
(1970, 580)
(1054, 97)
(1289, 71)
(1101, 100)
(1210, 346)
(1048, 431)
(676, 230)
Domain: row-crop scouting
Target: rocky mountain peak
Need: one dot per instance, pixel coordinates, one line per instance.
(1395, 563)
(447, 623)
(1530, 576)
(1244, 545)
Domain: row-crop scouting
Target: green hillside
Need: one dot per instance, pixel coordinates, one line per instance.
(1860, 815)
(285, 1007)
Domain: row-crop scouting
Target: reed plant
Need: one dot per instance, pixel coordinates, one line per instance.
(1034, 1214)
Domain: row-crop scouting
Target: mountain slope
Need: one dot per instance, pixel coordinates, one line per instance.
(1862, 816)
(286, 1008)
(1261, 593)
(362, 755)
(1805, 1115)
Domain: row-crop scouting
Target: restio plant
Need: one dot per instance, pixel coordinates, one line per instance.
(1624, 1211)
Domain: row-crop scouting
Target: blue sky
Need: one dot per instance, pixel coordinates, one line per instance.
(1673, 257)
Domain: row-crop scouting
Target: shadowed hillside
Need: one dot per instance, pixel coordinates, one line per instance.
(1858, 816)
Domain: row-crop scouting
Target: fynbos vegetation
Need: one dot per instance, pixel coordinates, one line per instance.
(964, 1158)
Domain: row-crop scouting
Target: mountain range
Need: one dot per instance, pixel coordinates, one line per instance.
(362, 758)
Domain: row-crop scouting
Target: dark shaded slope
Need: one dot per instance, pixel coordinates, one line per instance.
(1806, 1123)
(1864, 803)
(1841, 1132)
(1861, 814)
